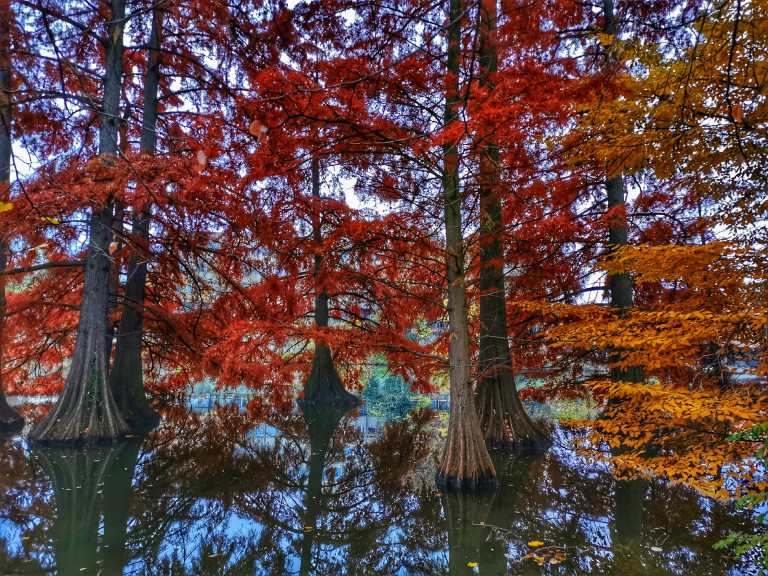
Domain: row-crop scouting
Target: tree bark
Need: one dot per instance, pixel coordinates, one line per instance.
(465, 463)
(126, 379)
(10, 421)
(505, 424)
(324, 386)
(86, 410)
(620, 285)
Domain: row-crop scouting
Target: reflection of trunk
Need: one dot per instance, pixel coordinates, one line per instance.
(127, 376)
(117, 499)
(466, 515)
(10, 421)
(324, 386)
(90, 484)
(86, 410)
(629, 509)
(470, 517)
(620, 284)
(511, 471)
(465, 463)
(321, 423)
(503, 419)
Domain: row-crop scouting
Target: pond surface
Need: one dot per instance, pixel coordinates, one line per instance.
(226, 492)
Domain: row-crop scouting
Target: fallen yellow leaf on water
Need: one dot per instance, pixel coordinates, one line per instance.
(472, 564)
(535, 543)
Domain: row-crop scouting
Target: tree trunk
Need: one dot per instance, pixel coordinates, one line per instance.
(505, 424)
(620, 285)
(324, 386)
(85, 410)
(118, 231)
(126, 378)
(466, 463)
(10, 421)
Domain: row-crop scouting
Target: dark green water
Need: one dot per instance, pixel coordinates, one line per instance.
(228, 493)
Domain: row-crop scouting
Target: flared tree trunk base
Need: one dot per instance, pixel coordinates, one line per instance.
(507, 426)
(466, 464)
(324, 386)
(85, 412)
(11, 421)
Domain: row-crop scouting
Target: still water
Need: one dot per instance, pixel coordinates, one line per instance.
(220, 489)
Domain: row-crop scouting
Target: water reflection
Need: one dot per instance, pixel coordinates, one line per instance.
(240, 491)
(91, 494)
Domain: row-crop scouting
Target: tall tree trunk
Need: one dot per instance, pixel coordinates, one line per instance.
(10, 421)
(85, 410)
(126, 378)
(324, 386)
(505, 424)
(620, 285)
(466, 463)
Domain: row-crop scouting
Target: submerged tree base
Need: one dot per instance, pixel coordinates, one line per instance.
(324, 386)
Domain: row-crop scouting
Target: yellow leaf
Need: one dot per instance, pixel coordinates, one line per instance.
(5, 206)
(535, 543)
(472, 564)
(50, 219)
(605, 39)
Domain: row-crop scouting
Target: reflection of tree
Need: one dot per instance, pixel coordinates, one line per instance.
(476, 521)
(629, 507)
(22, 497)
(232, 492)
(321, 422)
(91, 485)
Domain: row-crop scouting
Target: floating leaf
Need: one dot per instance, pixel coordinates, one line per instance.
(472, 564)
(656, 549)
(535, 543)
